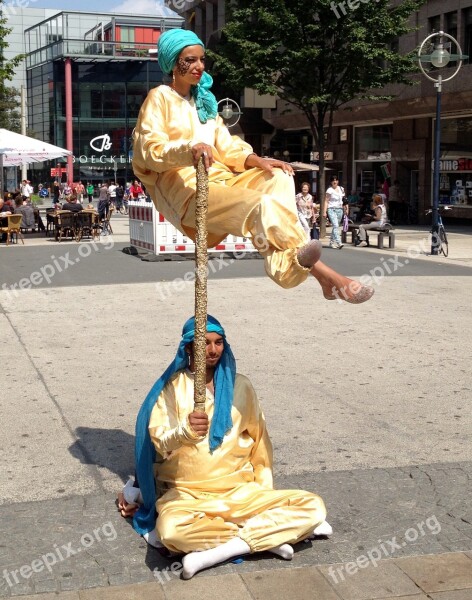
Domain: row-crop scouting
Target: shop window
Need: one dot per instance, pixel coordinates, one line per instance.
(395, 45)
(451, 24)
(467, 21)
(215, 16)
(456, 162)
(127, 34)
(373, 143)
(434, 24)
(96, 103)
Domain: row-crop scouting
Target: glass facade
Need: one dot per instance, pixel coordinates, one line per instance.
(111, 64)
(106, 98)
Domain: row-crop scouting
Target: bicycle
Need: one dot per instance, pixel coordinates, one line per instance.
(439, 238)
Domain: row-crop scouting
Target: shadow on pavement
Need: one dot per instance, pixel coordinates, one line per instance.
(109, 448)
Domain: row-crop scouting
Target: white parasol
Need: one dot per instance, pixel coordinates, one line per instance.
(17, 149)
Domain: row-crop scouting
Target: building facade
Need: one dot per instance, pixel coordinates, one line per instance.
(87, 75)
(372, 141)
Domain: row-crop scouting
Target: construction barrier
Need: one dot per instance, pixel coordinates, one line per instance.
(150, 231)
(141, 224)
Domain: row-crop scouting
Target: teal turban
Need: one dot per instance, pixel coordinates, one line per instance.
(170, 45)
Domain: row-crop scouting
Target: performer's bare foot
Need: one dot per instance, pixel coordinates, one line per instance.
(129, 499)
(338, 287)
(126, 509)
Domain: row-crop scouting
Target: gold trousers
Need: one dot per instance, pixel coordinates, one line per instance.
(260, 206)
(190, 520)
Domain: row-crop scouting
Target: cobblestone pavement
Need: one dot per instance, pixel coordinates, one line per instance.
(81, 542)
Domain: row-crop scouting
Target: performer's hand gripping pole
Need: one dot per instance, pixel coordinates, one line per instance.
(201, 300)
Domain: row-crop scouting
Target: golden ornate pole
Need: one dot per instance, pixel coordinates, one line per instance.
(201, 275)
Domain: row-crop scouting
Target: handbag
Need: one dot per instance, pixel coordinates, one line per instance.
(345, 223)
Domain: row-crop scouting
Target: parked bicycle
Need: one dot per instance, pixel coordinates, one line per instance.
(439, 239)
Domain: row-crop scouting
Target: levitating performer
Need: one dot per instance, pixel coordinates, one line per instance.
(249, 195)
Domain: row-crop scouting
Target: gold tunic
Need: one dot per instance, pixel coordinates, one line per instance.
(250, 203)
(209, 498)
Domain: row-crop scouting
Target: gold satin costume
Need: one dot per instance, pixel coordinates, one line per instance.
(208, 499)
(249, 203)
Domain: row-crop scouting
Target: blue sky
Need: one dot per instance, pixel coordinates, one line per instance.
(152, 7)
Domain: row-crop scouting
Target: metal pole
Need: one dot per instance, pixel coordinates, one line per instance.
(2, 188)
(69, 134)
(437, 157)
(24, 168)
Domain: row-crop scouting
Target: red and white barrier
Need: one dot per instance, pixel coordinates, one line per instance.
(141, 224)
(150, 231)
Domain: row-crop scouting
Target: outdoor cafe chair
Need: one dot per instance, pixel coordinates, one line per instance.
(64, 224)
(50, 221)
(13, 228)
(84, 224)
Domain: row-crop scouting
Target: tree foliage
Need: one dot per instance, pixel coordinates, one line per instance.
(10, 117)
(316, 55)
(300, 51)
(9, 97)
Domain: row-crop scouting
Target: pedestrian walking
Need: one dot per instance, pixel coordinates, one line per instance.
(334, 211)
(120, 194)
(112, 193)
(304, 202)
(56, 194)
(26, 189)
(79, 192)
(103, 202)
(90, 190)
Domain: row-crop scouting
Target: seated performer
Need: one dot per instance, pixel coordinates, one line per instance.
(249, 196)
(213, 470)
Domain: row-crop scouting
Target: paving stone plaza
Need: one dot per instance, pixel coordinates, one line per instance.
(369, 406)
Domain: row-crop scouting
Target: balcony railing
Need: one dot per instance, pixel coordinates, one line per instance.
(90, 49)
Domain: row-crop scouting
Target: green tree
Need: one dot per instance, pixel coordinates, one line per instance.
(315, 55)
(9, 97)
(10, 117)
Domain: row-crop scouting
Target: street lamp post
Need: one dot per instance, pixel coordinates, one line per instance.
(439, 58)
(229, 109)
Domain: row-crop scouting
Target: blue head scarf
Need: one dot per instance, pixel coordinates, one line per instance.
(225, 373)
(170, 45)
